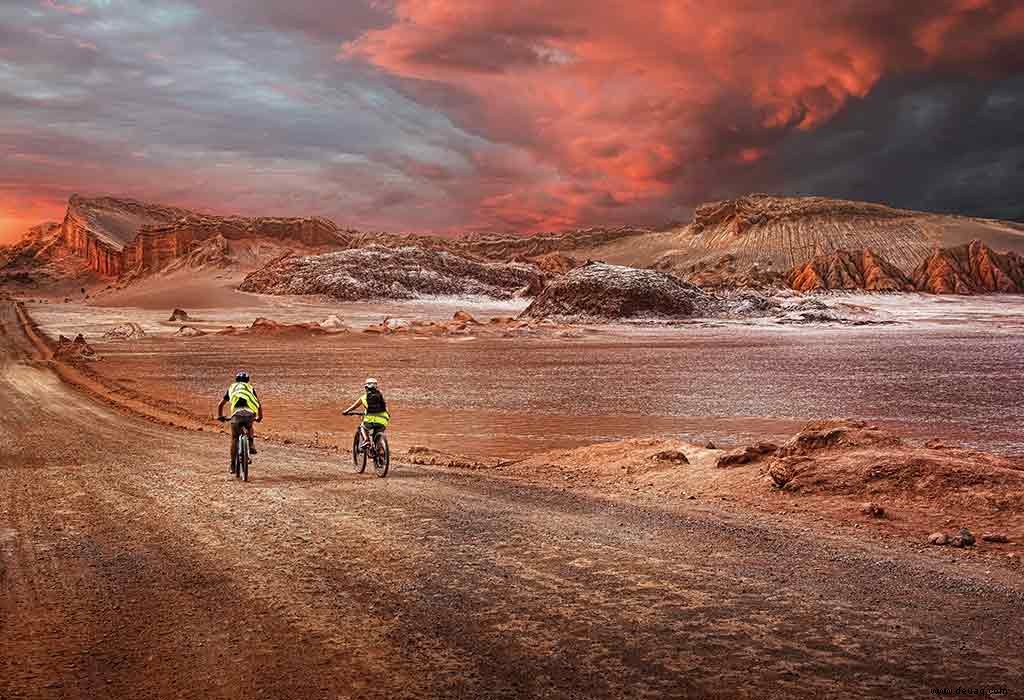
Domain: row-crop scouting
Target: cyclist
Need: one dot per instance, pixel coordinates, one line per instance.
(245, 408)
(375, 408)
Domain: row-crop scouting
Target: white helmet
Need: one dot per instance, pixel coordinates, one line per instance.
(371, 383)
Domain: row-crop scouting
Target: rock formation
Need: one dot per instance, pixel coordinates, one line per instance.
(115, 236)
(68, 350)
(606, 292)
(377, 272)
(973, 268)
(780, 233)
(845, 270)
(125, 331)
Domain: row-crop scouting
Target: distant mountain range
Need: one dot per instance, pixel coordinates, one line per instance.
(807, 243)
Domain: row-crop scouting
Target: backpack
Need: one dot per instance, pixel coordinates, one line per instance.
(375, 402)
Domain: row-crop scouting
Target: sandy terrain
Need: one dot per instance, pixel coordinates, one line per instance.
(733, 383)
(133, 566)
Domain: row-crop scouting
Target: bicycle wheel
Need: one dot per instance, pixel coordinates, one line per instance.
(358, 456)
(243, 457)
(381, 455)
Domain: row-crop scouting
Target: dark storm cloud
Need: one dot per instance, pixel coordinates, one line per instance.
(455, 114)
(951, 146)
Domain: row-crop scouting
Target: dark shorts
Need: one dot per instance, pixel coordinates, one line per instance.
(243, 417)
(371, 427)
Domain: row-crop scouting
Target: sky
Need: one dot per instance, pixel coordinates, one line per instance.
(490, 115)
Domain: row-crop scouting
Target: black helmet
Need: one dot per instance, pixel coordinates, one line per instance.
(242, 376)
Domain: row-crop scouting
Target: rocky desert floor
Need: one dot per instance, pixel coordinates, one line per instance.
(133, 565)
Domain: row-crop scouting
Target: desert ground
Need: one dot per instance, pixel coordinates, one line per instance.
(134, 565)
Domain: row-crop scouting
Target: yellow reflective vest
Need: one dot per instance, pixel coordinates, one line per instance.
(380, 418)
(243, 390)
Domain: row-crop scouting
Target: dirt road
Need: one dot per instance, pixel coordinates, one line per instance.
(133, 566)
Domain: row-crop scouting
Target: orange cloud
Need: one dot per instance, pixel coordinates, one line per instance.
(628, 103)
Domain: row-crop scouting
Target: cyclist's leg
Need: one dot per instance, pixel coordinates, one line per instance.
(364, 436)
(252, 436)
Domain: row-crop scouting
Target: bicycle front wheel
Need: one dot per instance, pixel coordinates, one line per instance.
(358, 455)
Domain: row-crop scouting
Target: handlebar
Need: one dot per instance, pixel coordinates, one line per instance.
(353, 413)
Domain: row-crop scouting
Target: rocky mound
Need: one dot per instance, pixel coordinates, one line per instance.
(973, 268)
(378, 272)
(179, 315)
(845, 270)
(599, 291)
(855, 459)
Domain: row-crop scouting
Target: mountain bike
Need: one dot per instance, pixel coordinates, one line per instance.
(376, 448)
(240, 468)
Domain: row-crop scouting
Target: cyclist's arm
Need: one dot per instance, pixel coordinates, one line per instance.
(354, 406)
(259, 408)
(220, 407)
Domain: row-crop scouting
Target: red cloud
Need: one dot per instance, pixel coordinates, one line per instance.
(629, 102)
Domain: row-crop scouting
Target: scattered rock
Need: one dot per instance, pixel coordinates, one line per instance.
(677, 456)
(125, 331)
(964, 538)
(334, 324)
(189, 332)
(179, 315)
(873, 510)
(995, 537)
(463, 317)
(710, 446)
(938, 538)
(418, 454)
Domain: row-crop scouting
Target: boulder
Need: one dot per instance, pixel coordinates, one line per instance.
(746, 455)
(189, 332)
(464, 317)
(873, 510)
(938, 538)
(673, 455)
(963, 538)
(994, 537)
(179, 315)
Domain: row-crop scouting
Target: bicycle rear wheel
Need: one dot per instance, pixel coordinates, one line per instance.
(243, 457)
(358, 455)
(381, 455)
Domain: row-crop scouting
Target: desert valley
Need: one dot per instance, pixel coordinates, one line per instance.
(775, 449)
